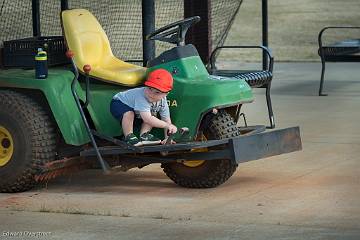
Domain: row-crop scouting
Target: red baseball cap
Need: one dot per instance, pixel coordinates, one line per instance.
(160, 79)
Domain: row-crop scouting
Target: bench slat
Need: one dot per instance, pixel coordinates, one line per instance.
(255, 78)
(347, 50)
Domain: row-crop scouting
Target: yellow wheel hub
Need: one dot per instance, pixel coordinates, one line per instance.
(196, 163)
(193, 163)
(6, 146)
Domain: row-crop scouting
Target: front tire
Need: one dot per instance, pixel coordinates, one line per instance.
(27, 141)
(211, 173)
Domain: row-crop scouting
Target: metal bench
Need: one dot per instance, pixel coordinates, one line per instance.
(344, 51)
(255, 78)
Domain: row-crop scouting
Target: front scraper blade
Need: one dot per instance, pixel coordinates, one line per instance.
(266, 144)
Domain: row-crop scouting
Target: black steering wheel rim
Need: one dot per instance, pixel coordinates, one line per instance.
(174, 32)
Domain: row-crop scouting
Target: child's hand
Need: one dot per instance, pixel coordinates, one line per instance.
(171, 129)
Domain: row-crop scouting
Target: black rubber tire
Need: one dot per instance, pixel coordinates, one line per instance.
(210, 173)
(33, 137)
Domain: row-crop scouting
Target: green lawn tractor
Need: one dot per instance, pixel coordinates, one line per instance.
(54, 125)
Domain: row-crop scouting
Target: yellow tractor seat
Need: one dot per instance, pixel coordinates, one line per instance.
(87, 39)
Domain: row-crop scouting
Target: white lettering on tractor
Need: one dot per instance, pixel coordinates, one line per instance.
(172, 103)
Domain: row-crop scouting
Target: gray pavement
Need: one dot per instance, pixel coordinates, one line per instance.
(312, 194)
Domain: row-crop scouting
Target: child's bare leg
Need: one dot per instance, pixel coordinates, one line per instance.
(145, 128)
(128, 122)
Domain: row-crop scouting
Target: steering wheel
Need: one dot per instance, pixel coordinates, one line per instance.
(174, 32)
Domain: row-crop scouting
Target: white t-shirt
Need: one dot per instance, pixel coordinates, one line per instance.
(135, 98)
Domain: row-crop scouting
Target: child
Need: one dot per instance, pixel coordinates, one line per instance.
(145, 103)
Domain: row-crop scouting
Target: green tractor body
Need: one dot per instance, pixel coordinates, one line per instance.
(195, 93)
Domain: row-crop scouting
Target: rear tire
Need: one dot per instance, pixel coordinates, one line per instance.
(211, 173)
(26, 130)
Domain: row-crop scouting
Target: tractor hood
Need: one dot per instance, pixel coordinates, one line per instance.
(195, 91)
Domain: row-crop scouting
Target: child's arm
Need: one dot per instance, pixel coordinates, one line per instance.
(155, 122)
(168, 130)
(165, 116)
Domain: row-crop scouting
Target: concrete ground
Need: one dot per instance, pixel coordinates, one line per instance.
(312, 194)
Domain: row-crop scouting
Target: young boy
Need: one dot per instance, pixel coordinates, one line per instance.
(145, 103)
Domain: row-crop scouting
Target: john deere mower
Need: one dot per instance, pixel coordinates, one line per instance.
(51, 126)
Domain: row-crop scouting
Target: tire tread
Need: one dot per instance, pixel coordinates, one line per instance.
(38, 123)
(221, 126)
